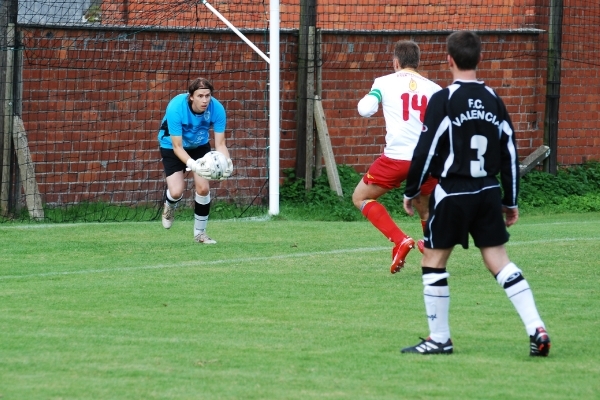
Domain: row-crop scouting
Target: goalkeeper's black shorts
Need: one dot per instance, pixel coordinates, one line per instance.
(173, 164)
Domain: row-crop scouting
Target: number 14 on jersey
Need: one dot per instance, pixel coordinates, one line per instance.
(415, 102)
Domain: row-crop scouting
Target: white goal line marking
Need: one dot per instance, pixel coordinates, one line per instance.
(184, 264)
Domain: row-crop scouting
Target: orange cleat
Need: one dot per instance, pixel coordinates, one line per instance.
(421, 245)
(399, 253)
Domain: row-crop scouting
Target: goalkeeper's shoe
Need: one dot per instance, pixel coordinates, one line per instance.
(204, 239)
(168, 216)
(539, 343)
(428, 346)
(421, 245)
(399, 253)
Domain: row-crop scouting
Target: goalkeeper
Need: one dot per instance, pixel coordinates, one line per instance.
(184, 138)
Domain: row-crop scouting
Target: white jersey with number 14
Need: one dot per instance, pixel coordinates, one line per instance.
(403, 96)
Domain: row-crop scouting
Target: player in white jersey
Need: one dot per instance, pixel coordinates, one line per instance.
(403, 96)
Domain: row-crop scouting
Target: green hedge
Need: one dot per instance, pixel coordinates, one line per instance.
(572, 189)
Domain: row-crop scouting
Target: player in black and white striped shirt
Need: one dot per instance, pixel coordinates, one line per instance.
(467, 141)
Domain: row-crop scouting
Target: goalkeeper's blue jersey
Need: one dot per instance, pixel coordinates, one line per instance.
(180, 120)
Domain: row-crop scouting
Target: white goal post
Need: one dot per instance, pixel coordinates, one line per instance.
(273, 61)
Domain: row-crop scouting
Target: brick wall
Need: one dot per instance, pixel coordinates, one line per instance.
(94, 101)
(94, 98)
(579, 111)
(364, 15)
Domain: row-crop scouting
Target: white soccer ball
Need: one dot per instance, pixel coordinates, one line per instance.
(216, 163)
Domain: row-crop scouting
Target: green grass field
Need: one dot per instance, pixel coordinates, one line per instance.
(285, 310)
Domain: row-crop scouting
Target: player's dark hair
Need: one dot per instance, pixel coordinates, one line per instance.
(200, 83)
(408, 54)
(465, 48)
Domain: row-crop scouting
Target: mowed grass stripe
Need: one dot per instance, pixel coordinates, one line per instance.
(8, 226)
(185, 264)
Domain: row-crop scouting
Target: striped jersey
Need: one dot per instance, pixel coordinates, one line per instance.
(404, 96)
(467, 134)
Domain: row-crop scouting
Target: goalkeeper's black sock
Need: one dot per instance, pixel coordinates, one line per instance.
(201, 211)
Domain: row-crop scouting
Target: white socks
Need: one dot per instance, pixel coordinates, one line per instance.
(437, 300)
(518, 291)
(437, 303)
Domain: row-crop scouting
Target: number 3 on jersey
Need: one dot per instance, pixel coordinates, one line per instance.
(479, 143)
(413, 102)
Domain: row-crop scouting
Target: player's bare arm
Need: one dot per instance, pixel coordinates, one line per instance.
(178, 149)
(408, 207)
(511, 215)
(220, 144)
(181, 153)
(221, 147)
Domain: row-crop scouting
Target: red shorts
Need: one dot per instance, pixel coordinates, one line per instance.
(389, 174)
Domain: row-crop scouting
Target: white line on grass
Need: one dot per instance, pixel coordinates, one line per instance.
(195, 263)
(184, 264)
(34, 225)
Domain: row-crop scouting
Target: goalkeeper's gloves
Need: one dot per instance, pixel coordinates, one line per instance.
(191, 165)
(203, 169)
(229, 169)
(199, 167)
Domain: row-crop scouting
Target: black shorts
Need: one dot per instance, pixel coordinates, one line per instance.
(459, 208)
(173, 164)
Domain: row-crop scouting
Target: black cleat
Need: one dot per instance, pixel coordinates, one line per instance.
(539, 343)
(428, 346)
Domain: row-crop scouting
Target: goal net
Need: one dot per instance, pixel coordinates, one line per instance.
(85, 84)
(95, 83)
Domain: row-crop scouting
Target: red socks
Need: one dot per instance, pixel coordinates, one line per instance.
(377, 214)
